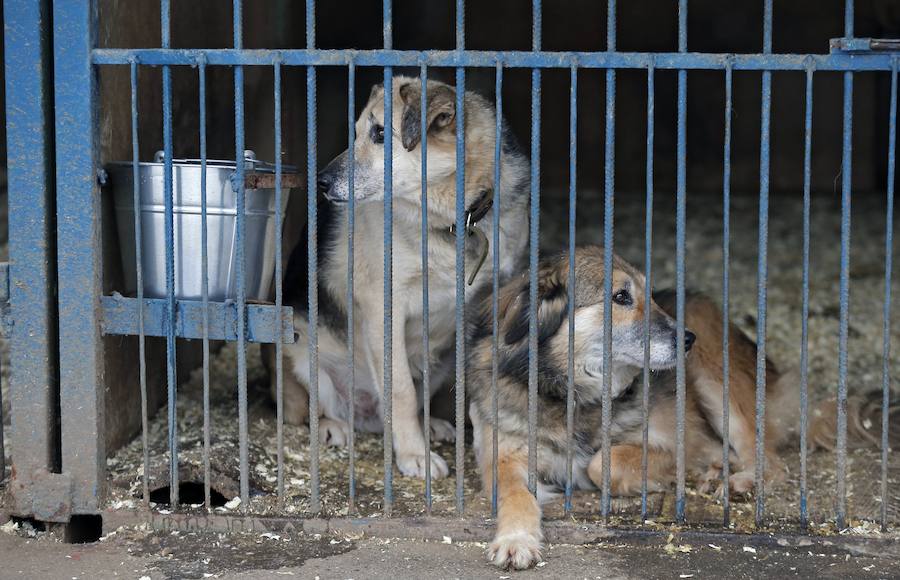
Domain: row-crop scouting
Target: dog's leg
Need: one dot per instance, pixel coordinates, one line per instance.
(517, 543)
(409, 440)
(626, 473)
(296, 398)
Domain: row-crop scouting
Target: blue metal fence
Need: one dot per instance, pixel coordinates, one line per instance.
(84, 315)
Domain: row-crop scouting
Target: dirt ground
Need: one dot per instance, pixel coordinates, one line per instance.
(140, 554)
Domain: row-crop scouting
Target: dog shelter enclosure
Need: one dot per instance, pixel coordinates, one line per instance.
(743, 149)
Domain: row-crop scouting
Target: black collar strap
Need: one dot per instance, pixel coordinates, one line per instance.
(477, 210)
(474, 214)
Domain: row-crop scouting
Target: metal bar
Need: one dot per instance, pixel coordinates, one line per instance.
(888, 275)
(846, 180)
(533, 250)
(204, 288)
(171, 369)
(79, 251)
(573, 180)
(763, 271)
(609, 150)
(119, 316)
(139, 268)
(279, 283)
(804, 332)
(426, 324)
(312, 241)
(33, 387)
(848, 19)
(388, 399)
(488, 59)
(495, 295)
(460, 390)
(240, 226)
(648, 288)
(351, 244)
(726, 293)
(680, 215)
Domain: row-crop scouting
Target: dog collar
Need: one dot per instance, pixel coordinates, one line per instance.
(474, 214)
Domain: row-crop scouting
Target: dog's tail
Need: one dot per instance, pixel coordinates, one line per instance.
(864, 416)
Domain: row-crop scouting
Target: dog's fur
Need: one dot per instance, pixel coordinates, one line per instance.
(518, 540)
(703, 413)
(407, 304)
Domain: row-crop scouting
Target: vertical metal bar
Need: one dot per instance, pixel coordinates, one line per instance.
(171, 308)
(680, 214)
(204, 287)
(726, 292)
(846, 187)
(426, 325)
(888, 274)
(460, 261)
(763, 270)
(279, 279)
(139, 268)
(804, 332)
(495, 295)
(388, 400)
(238, 185)
(573, 179)
(33, 387)
(846, 182)
(608, 225)
(312, 221)
(351, 244)
(648, 286)
(534, 241)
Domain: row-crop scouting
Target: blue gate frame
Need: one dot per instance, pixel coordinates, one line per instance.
(61, 338)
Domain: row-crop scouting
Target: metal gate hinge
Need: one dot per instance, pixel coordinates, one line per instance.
(865, 45)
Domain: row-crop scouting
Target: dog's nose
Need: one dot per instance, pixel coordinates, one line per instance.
(324, 181)
(689, 338)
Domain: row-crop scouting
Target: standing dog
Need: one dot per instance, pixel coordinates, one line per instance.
(518, 540)
(407, 305)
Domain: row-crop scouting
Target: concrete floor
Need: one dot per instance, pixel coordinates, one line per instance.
(142, 554)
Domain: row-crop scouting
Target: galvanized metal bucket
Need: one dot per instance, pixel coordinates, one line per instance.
(221, 201)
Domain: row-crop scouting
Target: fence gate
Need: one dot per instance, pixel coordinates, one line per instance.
(58, 315)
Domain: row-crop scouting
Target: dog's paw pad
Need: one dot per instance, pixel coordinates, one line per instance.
(518, 550)
(413, 465)
(442, 430)
(333, 432)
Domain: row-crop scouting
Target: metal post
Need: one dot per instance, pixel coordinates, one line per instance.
(80, 259)
(33, 394)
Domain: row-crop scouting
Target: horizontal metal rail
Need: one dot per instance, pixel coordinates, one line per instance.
(120, 316)
(511, 59)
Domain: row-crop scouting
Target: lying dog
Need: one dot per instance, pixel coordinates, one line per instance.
(368, 307)
(518, 539)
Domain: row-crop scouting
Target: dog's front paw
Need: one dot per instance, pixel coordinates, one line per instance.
(519, 550)
(442, 430)
(413, 465)
(334, 432)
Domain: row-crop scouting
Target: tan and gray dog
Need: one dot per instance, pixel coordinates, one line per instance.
(518, 539)
(368, 301)
(517, 543)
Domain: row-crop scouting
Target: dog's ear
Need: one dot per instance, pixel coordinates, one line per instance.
(553, 304)
(377, 89)
(440, 113)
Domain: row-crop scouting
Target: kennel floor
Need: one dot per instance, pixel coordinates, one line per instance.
(704, 272)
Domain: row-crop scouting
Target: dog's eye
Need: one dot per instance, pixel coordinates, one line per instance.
(622, 297)
(377, 133)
